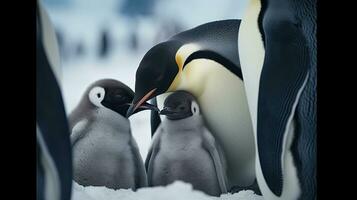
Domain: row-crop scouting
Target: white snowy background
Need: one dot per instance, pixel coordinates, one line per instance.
(80, 22)
(175, 191)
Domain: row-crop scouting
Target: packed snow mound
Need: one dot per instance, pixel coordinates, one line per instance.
(175, 191)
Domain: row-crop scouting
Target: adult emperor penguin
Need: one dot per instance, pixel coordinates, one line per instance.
(53, 158)
(277, 49)
(184, 149)
(204, 61)
(104, 151)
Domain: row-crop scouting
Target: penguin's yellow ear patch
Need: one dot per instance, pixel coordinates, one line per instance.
(179, 61)
(184, 52)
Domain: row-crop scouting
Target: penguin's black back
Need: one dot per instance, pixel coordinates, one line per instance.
(218, 41)
(304, 146)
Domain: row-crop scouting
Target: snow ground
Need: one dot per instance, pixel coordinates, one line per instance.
(175, 191)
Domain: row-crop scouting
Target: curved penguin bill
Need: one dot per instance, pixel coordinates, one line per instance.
(281, 76)
(123, 108)
(161, 66)
(155, 74)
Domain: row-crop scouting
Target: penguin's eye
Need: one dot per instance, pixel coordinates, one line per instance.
(194, 108)
(98, 95)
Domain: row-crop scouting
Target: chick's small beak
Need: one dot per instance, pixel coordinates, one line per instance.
(166, 111)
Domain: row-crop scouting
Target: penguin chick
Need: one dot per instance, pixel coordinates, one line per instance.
(184, 149)
(104, 150)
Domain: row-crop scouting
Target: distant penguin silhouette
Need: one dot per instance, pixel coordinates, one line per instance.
(184, 149)
(79, 49)
(104, 151)
(104, 44)
(133, 41)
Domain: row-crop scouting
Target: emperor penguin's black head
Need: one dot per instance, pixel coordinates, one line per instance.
(161, 69)
(111, 94)
(180, 105)
(155, 74)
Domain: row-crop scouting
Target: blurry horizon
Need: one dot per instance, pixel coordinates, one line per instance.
(108, 38)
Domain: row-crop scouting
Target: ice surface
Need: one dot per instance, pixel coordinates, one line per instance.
(175, 191)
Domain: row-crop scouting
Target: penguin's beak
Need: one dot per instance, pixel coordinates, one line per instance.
(146, 106)
(134, 107)
(166, 111)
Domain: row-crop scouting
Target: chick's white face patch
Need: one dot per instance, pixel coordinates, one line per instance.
(96, 96)
(194, 108)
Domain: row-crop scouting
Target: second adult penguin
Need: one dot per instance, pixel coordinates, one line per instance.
(104, 151)
(184, 149)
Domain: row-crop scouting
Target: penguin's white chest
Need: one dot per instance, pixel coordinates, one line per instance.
(223, 103)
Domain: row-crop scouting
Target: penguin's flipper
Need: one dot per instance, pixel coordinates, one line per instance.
(140, 173)
(283, 78)
(154, 149)
(154, 117)
(210, 144)
(78, 131)
(147, 160)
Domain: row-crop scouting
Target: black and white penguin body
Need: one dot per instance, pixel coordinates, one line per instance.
(255, 81)
(104, 150)
(53, 148)
(277, 49)
(184, 149)
(204, 61)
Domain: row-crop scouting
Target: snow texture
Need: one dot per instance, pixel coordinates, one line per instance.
(175, 191)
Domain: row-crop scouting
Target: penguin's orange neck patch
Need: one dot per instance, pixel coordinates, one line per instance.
(181, 55)
(179, 62)
(184, 52)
